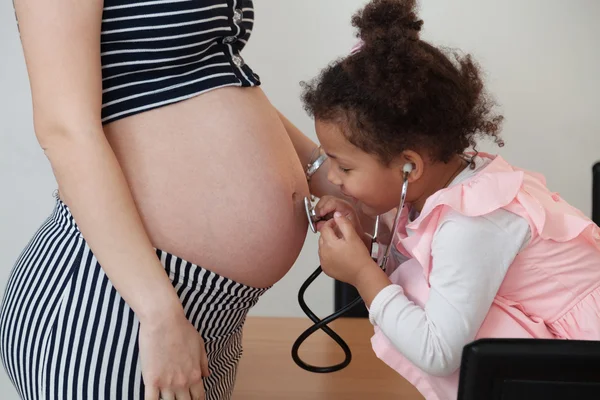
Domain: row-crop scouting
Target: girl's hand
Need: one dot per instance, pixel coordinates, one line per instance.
(328, 205)
(173, 359)
(344, 257)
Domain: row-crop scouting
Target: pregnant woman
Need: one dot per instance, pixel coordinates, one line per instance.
(168, 159)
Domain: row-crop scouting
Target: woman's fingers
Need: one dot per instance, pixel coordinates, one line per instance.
(183, 394)
(151, 393)
(173, 358)
(167, 395)
(197, 391)
(204, 360)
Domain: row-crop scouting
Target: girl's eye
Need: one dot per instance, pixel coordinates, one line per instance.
(344, 170)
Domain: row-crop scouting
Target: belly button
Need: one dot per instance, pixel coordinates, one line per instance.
(298, 202)
(298, 197)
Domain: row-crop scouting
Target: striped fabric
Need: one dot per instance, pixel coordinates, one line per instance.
(158, 52)
(65, 333)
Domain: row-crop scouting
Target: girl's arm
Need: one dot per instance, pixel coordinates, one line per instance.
(470, 259)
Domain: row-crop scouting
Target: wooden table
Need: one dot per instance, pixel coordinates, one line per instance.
(267, 371)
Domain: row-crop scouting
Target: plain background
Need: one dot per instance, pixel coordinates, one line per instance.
(541, 59)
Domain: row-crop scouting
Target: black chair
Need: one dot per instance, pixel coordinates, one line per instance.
(344, 294)
(533, 369)
(530, 369)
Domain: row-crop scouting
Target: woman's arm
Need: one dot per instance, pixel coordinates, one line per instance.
(305, 147)
(61, 41)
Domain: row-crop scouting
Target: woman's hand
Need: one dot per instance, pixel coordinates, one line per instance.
(173, 359)
(342, 251)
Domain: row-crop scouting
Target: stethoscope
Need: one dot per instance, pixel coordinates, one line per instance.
(313, 219)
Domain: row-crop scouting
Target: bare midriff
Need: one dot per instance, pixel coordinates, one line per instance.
(217, 182)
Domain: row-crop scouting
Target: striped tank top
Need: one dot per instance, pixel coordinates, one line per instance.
(158, 52)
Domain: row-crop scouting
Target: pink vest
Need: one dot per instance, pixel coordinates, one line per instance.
(551, 290)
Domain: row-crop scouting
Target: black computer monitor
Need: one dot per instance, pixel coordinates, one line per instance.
(530, 369)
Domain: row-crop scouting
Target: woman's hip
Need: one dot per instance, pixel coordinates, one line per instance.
(65, 329)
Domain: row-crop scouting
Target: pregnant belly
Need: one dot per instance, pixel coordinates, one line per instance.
(217, 183)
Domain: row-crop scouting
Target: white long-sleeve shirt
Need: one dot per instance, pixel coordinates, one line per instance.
(470, 258)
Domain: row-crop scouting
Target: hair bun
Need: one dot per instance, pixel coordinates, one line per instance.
(388, 21)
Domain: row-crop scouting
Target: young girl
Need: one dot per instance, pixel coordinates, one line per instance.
(486, 250)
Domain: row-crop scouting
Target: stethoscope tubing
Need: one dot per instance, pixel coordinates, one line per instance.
(322, 324)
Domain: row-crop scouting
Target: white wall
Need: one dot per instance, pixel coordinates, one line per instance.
(542, 58)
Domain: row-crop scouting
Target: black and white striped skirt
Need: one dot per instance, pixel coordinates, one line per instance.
(65, 333)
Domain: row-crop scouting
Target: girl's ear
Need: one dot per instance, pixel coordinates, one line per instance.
(416, 162)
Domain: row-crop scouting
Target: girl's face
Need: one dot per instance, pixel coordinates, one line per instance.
(360, 175)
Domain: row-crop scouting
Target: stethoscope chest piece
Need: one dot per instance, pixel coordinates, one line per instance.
(311, 214)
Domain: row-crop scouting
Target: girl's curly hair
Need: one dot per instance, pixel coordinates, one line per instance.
(399, 92)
